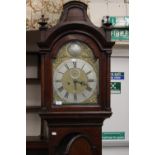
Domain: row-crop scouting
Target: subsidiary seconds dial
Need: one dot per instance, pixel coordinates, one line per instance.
(74, 81)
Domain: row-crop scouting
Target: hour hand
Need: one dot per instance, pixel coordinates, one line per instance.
(75, 84)
(82, 83)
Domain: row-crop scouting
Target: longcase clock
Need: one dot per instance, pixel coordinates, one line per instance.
(75, 82)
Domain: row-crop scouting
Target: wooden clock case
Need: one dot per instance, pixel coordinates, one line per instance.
(72, 129)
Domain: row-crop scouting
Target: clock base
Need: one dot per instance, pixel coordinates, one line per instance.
(75, 133)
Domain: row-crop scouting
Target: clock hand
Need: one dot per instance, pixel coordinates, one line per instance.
(81, 82)
(75, 86)
(77, 81)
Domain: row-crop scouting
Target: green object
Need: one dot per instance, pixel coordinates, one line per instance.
(119, 21)
(115, 87)
(120, 27)
(120, 34)
(113, 135)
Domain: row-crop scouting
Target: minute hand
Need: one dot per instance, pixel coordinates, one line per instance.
(82, 83)
(75, 86)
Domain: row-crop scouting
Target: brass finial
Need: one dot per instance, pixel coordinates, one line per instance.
(43, 23)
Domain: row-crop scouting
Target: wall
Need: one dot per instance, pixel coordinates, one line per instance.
(52, 10)
(120, 105)
(115, 151)
(100, 8)
(119, 62)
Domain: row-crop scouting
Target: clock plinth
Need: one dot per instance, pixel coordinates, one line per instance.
(75, 82)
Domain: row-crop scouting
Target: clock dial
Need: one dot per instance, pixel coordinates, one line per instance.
(75, 76)
(75, 80)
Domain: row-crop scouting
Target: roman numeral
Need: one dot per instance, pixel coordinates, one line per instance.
(66, 95)
(91, 80)
(75, 97)
(60, 72)
(83, 95)
(88, 88)
(74, 64)
(88, 72)
(82, 67)
(57, 80)
(66, 66)
(60, 88)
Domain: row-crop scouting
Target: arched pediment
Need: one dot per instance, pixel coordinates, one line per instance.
(76, 28)
(74, 20)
